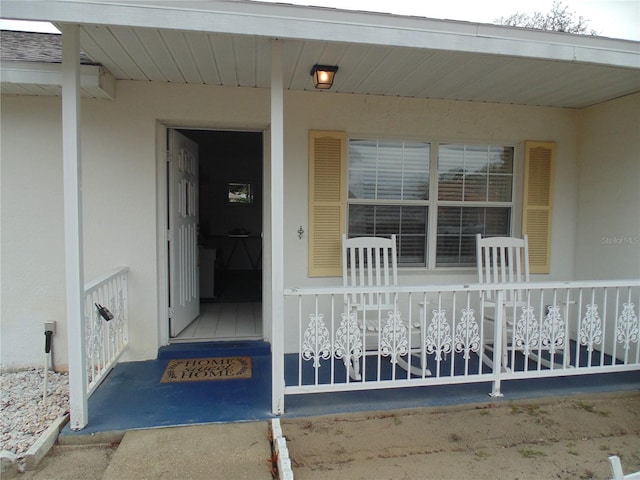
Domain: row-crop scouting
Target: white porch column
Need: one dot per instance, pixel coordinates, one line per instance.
(74, 266)
(277, 229)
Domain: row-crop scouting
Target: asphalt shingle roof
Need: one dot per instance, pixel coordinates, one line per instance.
(34, 47)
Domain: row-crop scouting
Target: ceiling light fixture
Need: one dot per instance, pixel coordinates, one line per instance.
(323, 76)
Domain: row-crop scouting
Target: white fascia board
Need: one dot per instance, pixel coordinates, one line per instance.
(324, 24)
(93, 78)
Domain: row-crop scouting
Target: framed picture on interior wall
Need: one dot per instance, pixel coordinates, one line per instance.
(240, 193)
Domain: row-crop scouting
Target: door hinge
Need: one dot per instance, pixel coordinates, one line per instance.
(172, 312)
(170, 235)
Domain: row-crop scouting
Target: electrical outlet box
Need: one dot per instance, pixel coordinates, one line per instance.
(50, 326)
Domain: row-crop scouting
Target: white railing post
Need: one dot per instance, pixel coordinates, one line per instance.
(498, 334)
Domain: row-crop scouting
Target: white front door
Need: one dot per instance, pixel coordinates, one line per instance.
(184, 289)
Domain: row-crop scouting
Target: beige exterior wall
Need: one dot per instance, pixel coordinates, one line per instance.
(32, 279)
(608, 232)
(120, 175)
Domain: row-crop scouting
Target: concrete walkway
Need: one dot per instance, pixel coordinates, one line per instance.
(217, 451)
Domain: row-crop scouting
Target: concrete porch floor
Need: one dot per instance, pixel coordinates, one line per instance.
(132, 397)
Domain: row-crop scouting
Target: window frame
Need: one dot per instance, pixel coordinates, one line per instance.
(433, 203)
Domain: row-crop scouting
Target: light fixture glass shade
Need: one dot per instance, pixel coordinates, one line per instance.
(323, 76)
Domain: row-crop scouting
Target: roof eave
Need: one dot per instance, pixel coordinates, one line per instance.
(314, 23)
(95, 81)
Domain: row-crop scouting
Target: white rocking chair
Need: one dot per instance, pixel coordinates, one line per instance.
(370, 262)
(504, 261)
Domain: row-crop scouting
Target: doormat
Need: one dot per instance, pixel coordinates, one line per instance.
(203, 369)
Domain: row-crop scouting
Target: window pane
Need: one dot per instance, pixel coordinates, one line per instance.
(362, 168)
(388, 170)
(472, 220)
(413, 220)
(458, 226)
(416, 171)
(475, 188)
(497, 222)
(373, 220)
(408, 223)
(411, 250)
(476, 159)
(500, 188)
(500, 159)
(475, 173)
(361, 220)
(387, 219)
(449, 219)
(450, 172)
(455, 253)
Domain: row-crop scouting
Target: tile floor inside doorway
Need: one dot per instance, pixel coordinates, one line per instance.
(225, 321)
(234, 314)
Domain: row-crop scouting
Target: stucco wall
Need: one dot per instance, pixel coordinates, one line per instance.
(608, 231)
(32, 236)
(120, 175)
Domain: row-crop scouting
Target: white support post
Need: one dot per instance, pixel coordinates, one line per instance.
(74, 266)
(277, 230)
(498, 333)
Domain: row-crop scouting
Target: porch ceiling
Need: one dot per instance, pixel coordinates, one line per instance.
(377, 54)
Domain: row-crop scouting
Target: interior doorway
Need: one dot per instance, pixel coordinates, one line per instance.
(229, 239)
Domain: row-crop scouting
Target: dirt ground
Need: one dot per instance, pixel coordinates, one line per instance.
(82, 462)
(558, 438)
(566, 438)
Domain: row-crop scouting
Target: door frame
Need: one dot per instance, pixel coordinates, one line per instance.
(162, 221)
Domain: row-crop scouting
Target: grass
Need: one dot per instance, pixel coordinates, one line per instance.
(528, 453)
(530, 409)
(590, 407)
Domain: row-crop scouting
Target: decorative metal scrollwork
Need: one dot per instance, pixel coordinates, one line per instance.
(348, 337)
(116, 325)
(317, 343)
(94, 339)
(467, 336)
(591, 328)
(553, 329)
(438, 338)
(527, 334)
(628, 328)
(394, 340)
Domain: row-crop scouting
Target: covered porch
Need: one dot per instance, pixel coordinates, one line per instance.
(399, 78)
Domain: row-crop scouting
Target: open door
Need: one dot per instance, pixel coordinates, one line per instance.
(184, 289)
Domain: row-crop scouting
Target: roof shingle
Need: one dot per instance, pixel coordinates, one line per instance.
(34, 47)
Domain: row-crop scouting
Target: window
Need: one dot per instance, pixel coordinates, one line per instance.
(474, 196)
(389, 192)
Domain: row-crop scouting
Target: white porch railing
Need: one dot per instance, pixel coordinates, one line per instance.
(105, 339)
(441, 334)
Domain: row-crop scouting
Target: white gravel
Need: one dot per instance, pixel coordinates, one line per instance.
(23, 413)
